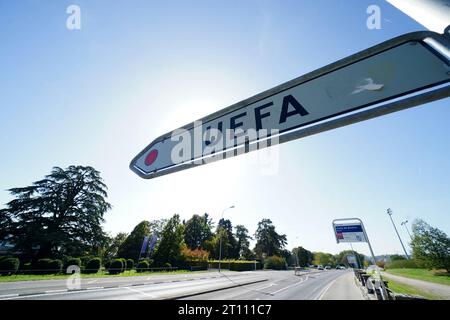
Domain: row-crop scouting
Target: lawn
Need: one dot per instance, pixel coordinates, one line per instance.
(435, 276)
(413, 291)
(131, 273)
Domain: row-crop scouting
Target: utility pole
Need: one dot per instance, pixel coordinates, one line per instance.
(404, 223)
(389, 212)
(220, 237)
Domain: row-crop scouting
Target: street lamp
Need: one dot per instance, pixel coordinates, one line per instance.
(404, 223)
(220, 237)
(389, 212)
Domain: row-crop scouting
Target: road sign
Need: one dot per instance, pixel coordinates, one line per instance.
(351, 259)
(309, 104)
(349, 232)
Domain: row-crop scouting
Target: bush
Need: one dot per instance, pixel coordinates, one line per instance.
(55, 266)
(196, 265)
(72, 262)
(142, 266)
(167, 265)
(116, 266)
(9, 266)
(85, 260)
(25, 268)
(275, 263)
(107, 264)
(130, 264)
(47, 266)
(93, 265)
(399, 264)
(243, 266)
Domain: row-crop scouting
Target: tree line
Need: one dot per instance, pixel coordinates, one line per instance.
(62, 215)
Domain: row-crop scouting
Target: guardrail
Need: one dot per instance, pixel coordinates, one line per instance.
(380, 288)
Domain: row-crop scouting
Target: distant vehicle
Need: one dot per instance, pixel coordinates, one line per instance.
(340, 267)
(320, 267)
(327, 267)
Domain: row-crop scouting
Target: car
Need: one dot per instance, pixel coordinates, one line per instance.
(340, 267)
(320, 267)
(327, 267)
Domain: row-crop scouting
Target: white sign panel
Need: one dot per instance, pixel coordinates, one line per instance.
(393, 69)
(349, 232)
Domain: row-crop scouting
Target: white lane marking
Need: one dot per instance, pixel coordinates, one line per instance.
(322, 293)
(93, 281)
(55, 291)
(9, 295)
(288, 287)
(94, 288)
(142, 293)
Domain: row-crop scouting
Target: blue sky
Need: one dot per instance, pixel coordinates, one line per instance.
(138, 69)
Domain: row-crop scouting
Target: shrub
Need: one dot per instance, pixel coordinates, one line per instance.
(93, 265)
(194, 255)
(72, 262)
(25, 268)
(130, 264)
(55, 266)
(116, 266)
(275, 263)
(142, 266)
(85, 260)
(399, 264)
(167, 265)
(107, 264)
(243, 265)
(9, 266)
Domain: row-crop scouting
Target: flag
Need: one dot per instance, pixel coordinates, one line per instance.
(144, 245)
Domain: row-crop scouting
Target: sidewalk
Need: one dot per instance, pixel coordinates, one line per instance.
(343, 288)
(441, 290)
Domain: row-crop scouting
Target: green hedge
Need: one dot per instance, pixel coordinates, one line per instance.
(130, 264)
(244, 266)
(72, 262)
(9, 266)
(400, 264)
(142, 266)
(275, 263)
(93, 266)
(48, 266)
(116, 266)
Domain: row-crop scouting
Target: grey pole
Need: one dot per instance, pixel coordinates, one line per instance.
(404, 223)
(220, 238)
(389, 212)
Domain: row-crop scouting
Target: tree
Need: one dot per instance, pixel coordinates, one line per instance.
(171, 243)
(230, 248)
(243, 243)
(60, 215)
(197, 230)
(302, 256)
(268, 241)
(131, 247)
(324, 258)
(113, 245)
(430, 246)
(341, 258)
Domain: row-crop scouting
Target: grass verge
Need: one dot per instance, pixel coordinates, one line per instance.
(436, 276)
(132, 273)
(401, 288)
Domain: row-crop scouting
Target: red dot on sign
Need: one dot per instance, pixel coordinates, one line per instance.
(151, 157)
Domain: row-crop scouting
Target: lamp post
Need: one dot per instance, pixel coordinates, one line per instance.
(389, 212)
(404, 223)
(220, 237)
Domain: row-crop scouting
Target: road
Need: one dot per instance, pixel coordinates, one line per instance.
(257, 285)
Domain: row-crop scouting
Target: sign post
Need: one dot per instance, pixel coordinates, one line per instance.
(355, 232)
(400, 73)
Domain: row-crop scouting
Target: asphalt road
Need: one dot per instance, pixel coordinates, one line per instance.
(284, 285)
(264, 285)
